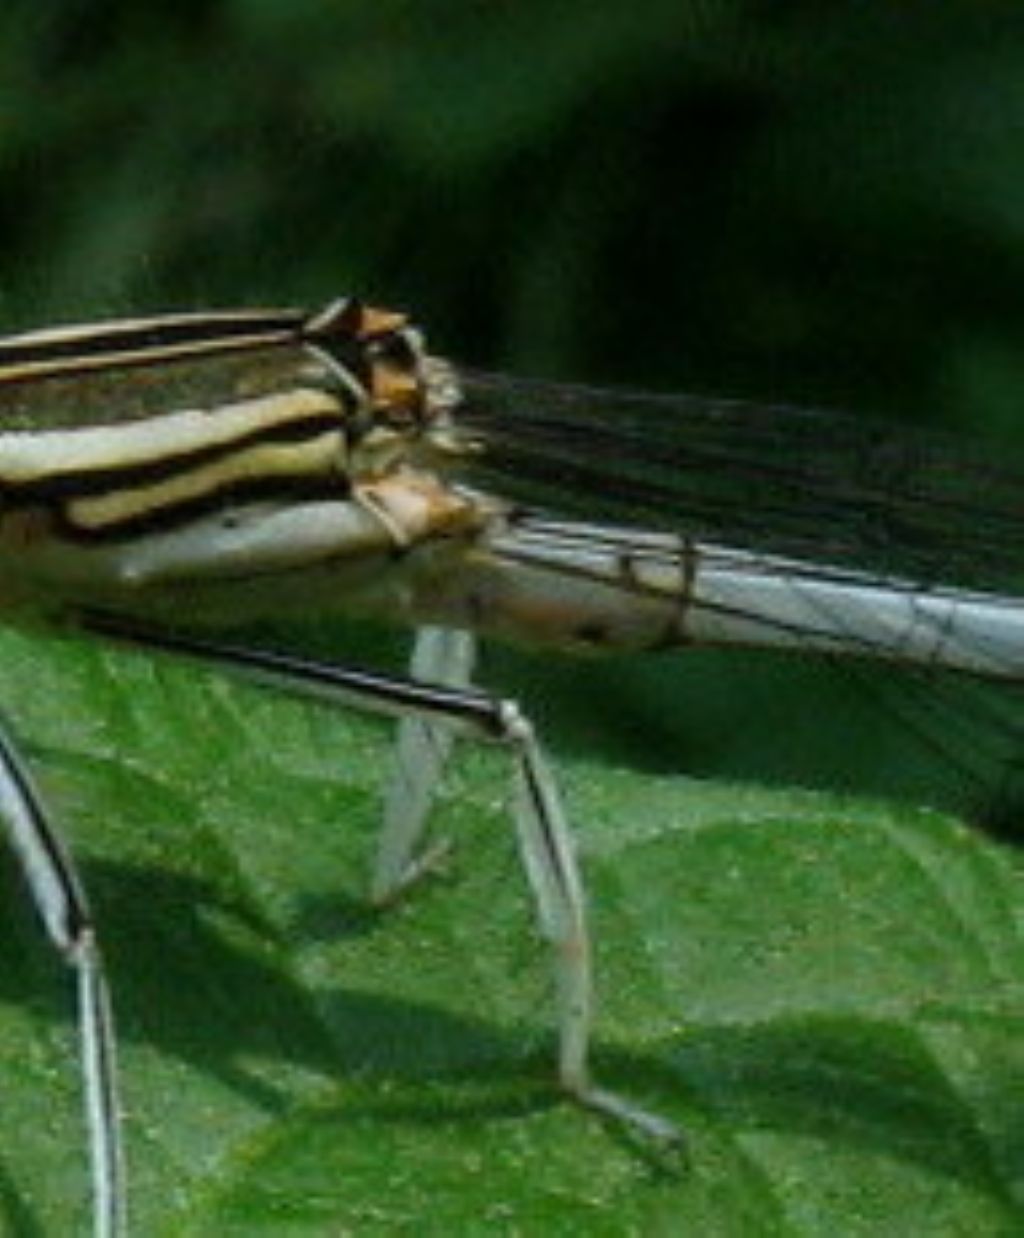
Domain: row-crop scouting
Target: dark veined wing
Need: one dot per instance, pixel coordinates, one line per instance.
(824, 488)
(819, 486)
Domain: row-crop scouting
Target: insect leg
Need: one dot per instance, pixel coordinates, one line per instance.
(440, 656)
(60, 900)
(545, 841)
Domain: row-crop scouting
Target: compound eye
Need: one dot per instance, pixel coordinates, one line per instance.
(396, 383)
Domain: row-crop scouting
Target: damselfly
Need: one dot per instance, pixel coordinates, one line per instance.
(165, 479)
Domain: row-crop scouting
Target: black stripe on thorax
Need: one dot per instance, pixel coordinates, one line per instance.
(237, 493)
(144, 341)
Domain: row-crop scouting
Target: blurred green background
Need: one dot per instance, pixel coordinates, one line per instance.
(805, 203)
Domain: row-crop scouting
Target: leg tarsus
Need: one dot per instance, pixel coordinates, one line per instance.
(432, 861)
(650, 1126)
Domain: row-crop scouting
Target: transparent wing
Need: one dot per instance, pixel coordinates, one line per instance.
(814, 485)
(826, 489)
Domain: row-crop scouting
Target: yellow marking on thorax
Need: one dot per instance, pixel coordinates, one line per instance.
(27, 457)
(318, 457)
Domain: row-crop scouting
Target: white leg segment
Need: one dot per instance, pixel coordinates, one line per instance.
(59, 897)
(445, 657)
(549, 859)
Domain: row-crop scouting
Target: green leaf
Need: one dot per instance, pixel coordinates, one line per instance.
(825, 993)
